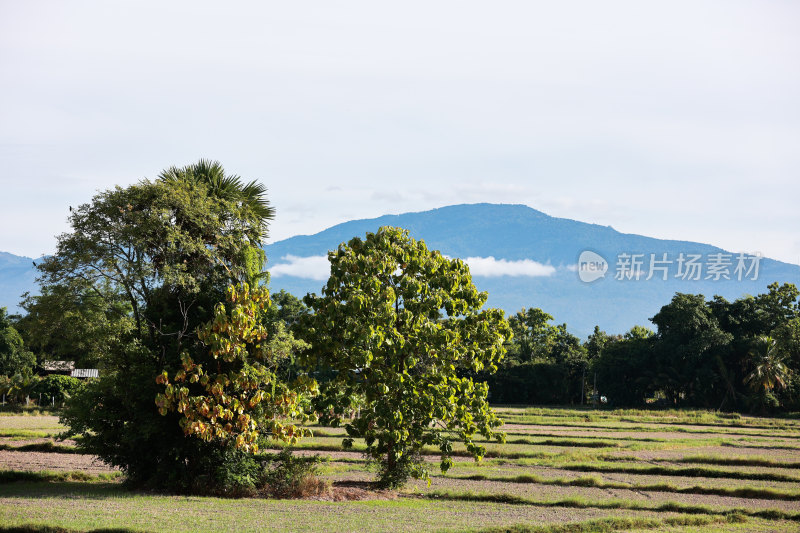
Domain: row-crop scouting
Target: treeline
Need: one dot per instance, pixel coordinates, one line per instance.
(742, 355)
(162, 287)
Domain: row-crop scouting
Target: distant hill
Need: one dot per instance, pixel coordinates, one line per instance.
(17, 275)
(542, 250)
(516, 233)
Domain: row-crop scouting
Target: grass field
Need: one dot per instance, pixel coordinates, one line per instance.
(562, 470)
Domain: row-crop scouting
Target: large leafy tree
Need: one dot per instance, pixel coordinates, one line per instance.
(532, 335)
(621, 366)
(73, 322)
(164, 247)
(231, 393)
(166, 251)
(211, 175)
(687, 344)
(14, 357)
(402, 326)
(544, 364)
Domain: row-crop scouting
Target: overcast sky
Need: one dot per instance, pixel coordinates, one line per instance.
(672, 119)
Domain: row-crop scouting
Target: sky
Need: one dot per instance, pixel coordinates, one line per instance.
(676, 119)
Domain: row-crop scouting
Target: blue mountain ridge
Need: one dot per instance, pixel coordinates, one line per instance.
(517, 232)
(17, 276)
(511, 232)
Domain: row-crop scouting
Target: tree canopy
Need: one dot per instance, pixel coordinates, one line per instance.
(164, 253)
(231, 394)
(14, 357)
(402, 328)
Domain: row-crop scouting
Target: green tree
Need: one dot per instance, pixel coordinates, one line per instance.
(778, 305)
(73, 322)
(168, 250)
(231, 393)
(56, 388)
(211, 175)
(14, 358)
(19, 387)
(623, 368)
(282, 316)
(532, 335)
(769, 371)
(402, 326)
(685, 367)
(288, 308)
(787, 336)
(596, 342)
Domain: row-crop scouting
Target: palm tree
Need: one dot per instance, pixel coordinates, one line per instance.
(770, 372)
(210, 174)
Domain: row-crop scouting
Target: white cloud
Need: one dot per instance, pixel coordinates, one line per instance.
(317, 267)
(491, 267)
(314, 267)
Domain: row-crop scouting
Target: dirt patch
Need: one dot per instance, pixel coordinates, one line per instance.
(657, 433)
(34, 461)
(536, 491)
(349, 490)
(788, 456)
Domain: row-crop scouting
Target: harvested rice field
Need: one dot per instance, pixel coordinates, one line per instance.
(560, 470)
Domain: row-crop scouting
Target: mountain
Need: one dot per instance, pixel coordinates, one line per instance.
(516, 233)
(542, 251)
(17, 275)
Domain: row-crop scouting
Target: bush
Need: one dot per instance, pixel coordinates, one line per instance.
(18, 388)
(226, 471)
(287, 476)
(59, 387)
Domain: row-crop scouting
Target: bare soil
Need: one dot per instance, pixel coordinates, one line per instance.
(551, 492)
(33, 461)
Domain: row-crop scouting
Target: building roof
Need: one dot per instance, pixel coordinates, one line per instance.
(58, 366)
(85, 373)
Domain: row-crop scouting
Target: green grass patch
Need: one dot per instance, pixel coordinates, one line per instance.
(639, 416)
(14, 476)
(607, 525)
(496, 451)
(721, 430)
(47, 447)
(82, 506)
(574, 443)
(677, 471)
(592, 437)
(737, 461)
(17, 410)
(29, 433)
(581, 503)
(760, 446)
(765, 493)
(35, 528)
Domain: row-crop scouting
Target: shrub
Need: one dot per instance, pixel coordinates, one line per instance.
(59, 387)
(287, 476)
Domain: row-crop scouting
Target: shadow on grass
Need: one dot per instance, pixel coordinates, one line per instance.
(63, 489)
